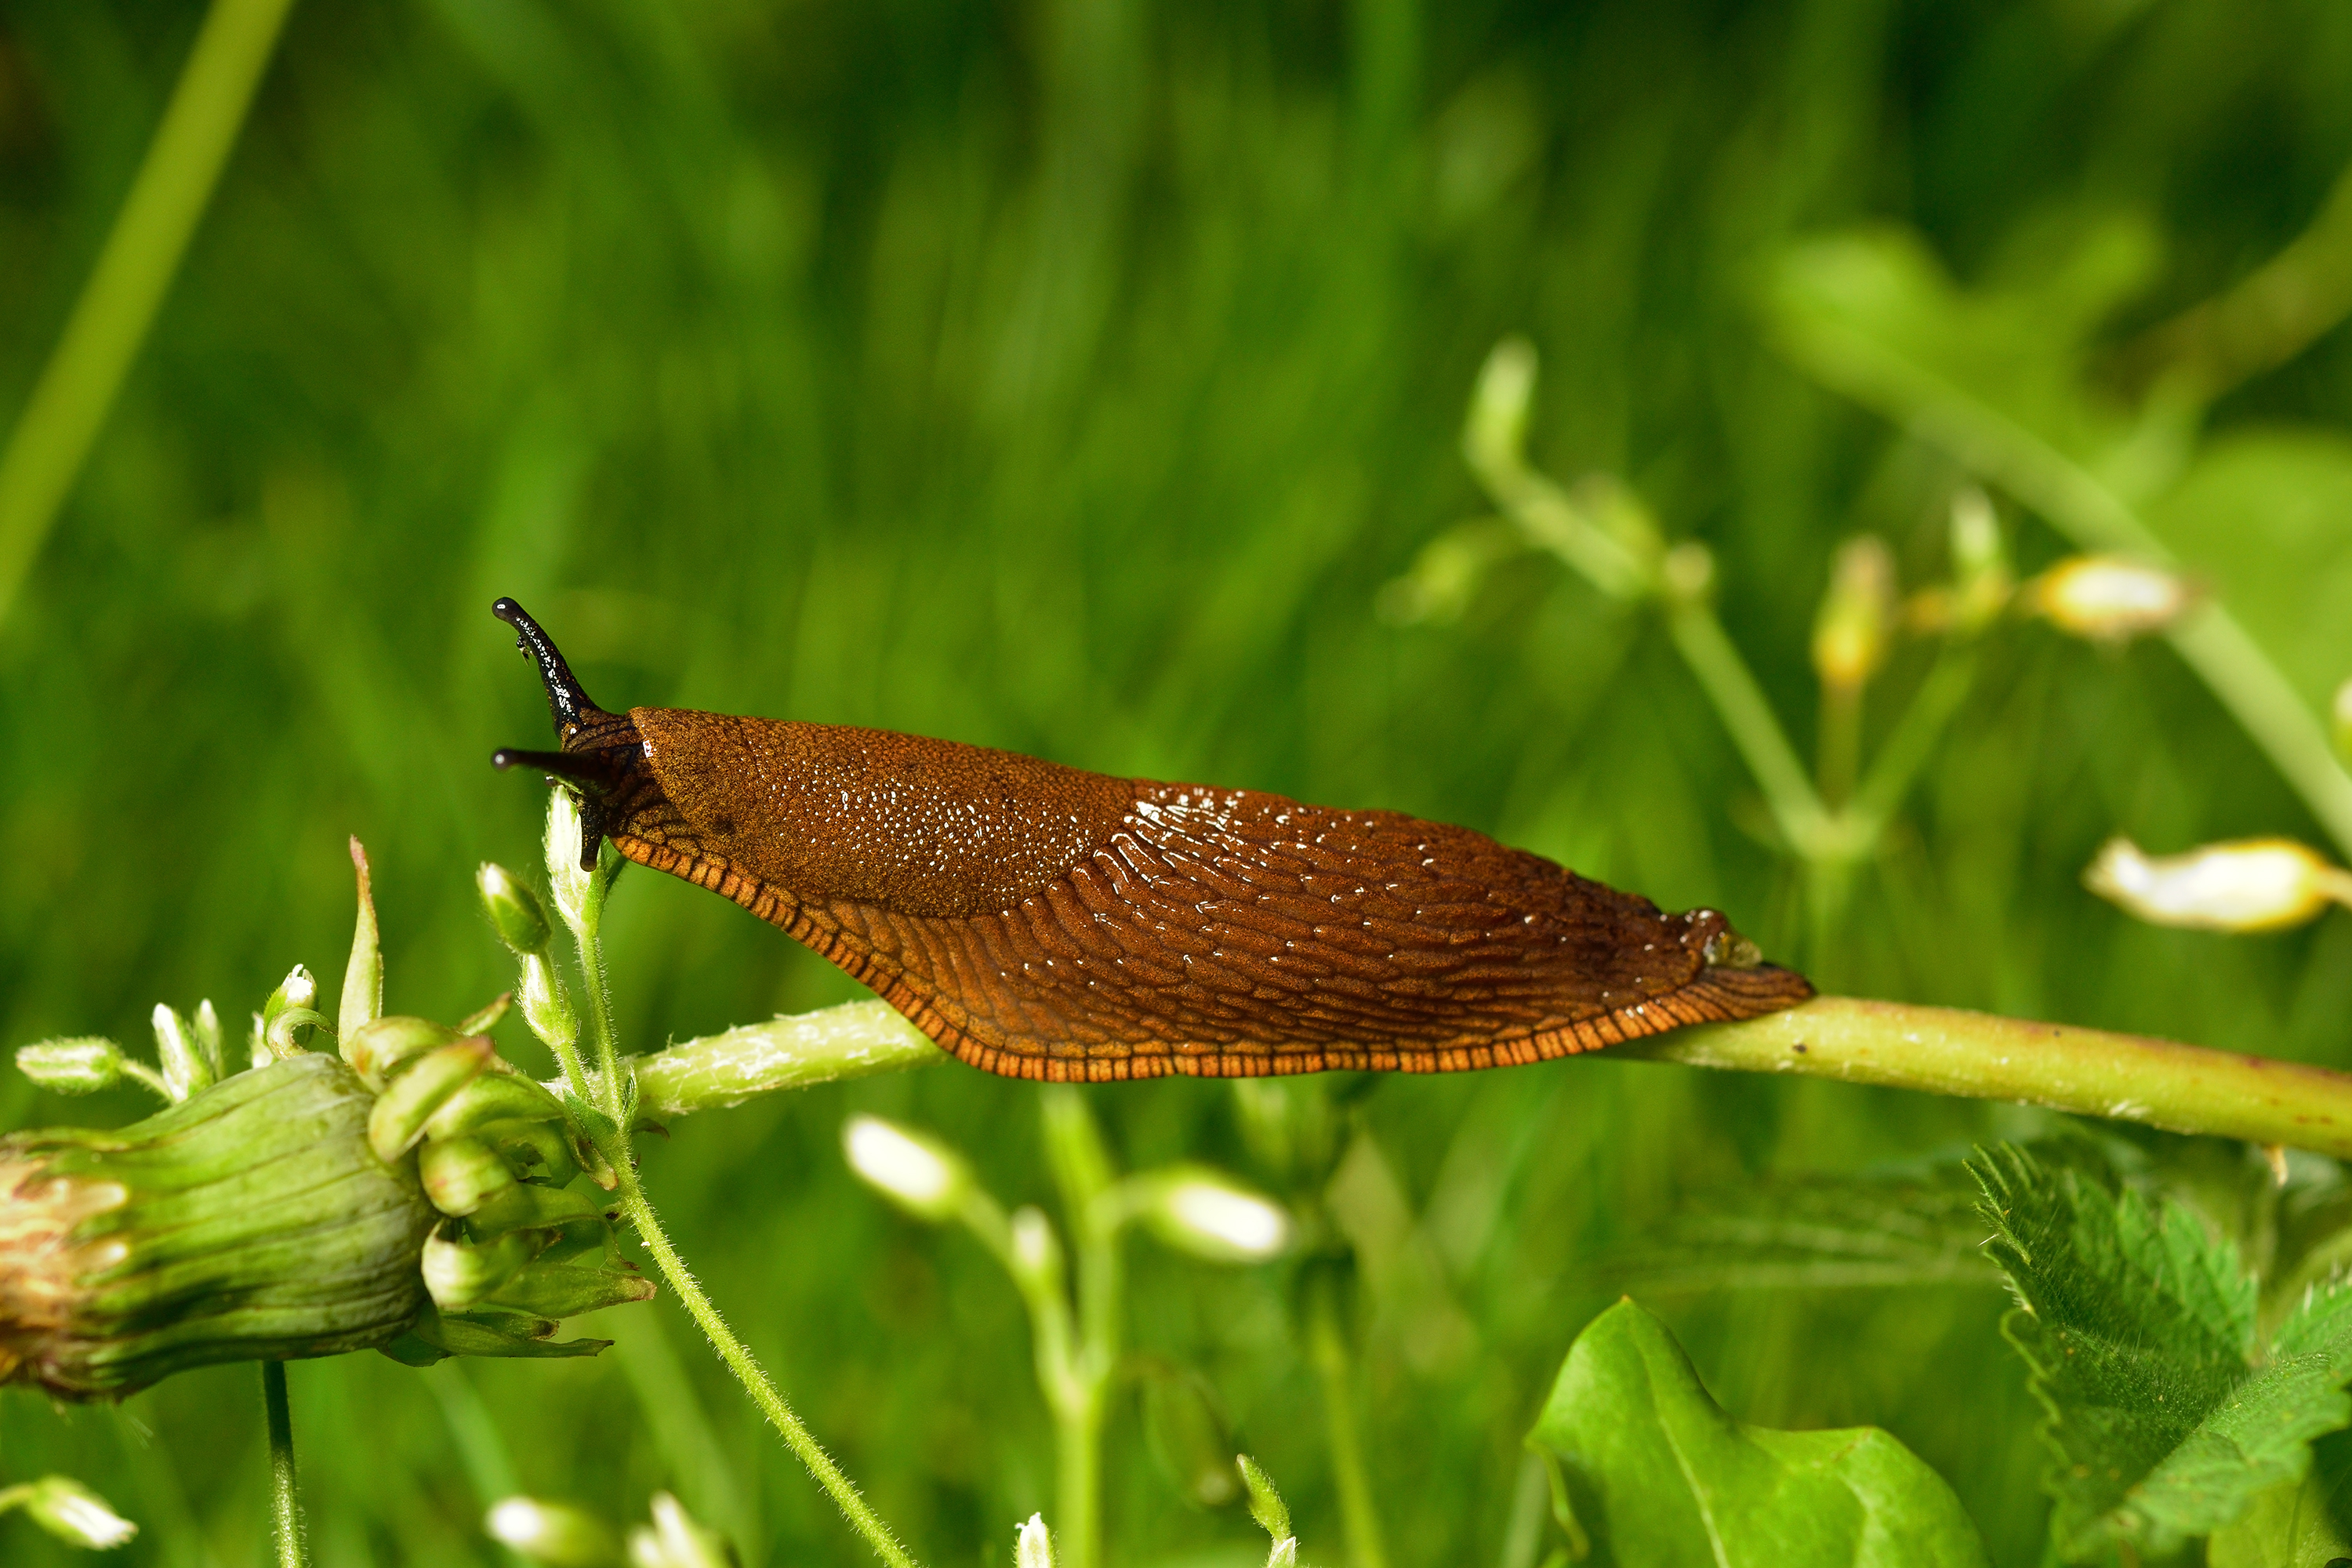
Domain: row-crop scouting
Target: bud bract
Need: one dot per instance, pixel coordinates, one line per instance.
(553, 1533)
(1210, 1215)
(547, 1289)
(514, 908)
(80, 1066)
(2244, 884)
(459, 1273)
(1034, 1546)
(922, 1176)
(1850, 632)
(378, 1050)
(397, 1122)
(70, 1511)
(2109, 598)
(461, 1174)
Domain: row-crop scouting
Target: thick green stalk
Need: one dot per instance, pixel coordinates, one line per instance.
(2091, 1072)
(289, 1530)
(118, 304)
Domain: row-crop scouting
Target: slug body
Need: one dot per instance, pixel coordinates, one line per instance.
(1045, 922)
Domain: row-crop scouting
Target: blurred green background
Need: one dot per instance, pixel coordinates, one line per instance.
(1069, 376)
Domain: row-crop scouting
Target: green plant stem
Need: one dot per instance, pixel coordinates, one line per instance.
(288, 1531)
(1327, 1347)
(748, 1370)
(1748, 715)
(596, 987)
(134, 270)
(2090, 1072)
(1907, 746)
(1098, 1214)
(857, 1039)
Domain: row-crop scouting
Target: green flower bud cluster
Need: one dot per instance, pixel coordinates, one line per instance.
(408, 1193)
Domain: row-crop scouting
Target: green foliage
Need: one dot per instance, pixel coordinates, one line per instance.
(1651, 1473)
(2166, 1419)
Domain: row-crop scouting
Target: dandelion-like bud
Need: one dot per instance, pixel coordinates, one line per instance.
(2244, 884)
(251, 1222)
(70, 1511)
(924, 1177)
(1205, 1213)
(2109, 598)
(1850, 632)
(1033, 1547)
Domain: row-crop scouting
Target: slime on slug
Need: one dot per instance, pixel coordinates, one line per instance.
(1045, 922)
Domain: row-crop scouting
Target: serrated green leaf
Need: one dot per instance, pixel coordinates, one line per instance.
(2139, 1330)
(1658, 1476)
(2300, 1525)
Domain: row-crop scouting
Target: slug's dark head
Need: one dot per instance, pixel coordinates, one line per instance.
(603, 759)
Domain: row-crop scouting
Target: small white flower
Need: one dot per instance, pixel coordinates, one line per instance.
(1033, 1548)
(70, 1511)
(2108, 598)
(925, 1178)
(2244, 884)
(1204, 1214)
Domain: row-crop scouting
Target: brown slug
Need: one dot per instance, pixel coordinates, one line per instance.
(1043, 922)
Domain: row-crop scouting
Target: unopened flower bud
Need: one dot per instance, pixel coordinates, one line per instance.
(1495, 436)
(251, 1222)
(492, 1098)
(2109, 598)
(462, 1174)
(1265, 1504)
(553, 1533)
(546, 1005)
(80, 1066)
(379, 1050)
(514, 908)
(397, 1122)
(2245, 885)
(568, 880)
(176, 1052)
(1036, 1250)
(459, 1272)
(1034, 1546)
(1850, 632)
(675, 1541)
(70, 1511)
(924, 1177)
(547, 1289)
(207, 1033)
(1203, 1212)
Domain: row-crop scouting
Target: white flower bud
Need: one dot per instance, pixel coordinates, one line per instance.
(2244, 884)
(1203, 1212)
(2108, 598)
(70, 1511)
(1850, 632)
(566, 880)
(554, 1533)
(1033, 1548)
(924, 1177)
(1496, 434)
(676, 1541)
(1036, 1250)
(185, 1070)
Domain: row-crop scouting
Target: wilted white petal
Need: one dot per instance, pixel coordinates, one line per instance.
(1207, 1214)
(2247, 884)
(928, 1180)
(1033, 1548)
(2110, 597)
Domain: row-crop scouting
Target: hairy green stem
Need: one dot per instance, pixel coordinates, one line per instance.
(118, 304)
(2090, 1072)
(857, 1039)
(597, 985)
(289, 1530)
(748, 1372)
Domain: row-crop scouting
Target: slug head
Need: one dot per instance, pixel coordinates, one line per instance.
(603, 759)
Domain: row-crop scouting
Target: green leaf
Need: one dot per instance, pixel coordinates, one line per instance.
(2138, 1328)
(2300, 1525)
(1657, 1476)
